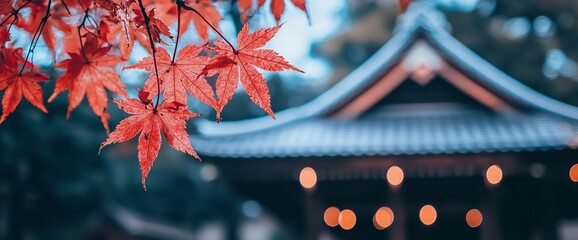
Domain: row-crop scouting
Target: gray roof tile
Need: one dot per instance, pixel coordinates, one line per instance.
(460, 132)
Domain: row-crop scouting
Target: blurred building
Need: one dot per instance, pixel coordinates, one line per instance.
(424, 140)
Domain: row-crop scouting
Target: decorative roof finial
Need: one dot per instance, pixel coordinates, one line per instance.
(422, 14)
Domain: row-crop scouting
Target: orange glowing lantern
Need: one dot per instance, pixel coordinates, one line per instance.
(308, 178)
(574, 173)
(474, 218)
(395, 175)
(383, 218)
(331, 216)
(494, 174)
(428, 215)
(347, 219)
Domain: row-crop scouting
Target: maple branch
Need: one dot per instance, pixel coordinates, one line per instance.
(9, 27)
(178, 31)
(147, 21)
(37, 35)
(80, 37)
(94, 24)
(14, 13)
(186, 7)
(93, 21)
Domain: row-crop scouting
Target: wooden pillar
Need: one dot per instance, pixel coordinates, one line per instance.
(398, 228)
(314, 214)
(549, 226)
(233, 221)
(490, 228)
(233, 228)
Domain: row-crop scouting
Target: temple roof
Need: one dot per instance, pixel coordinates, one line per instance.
(334, 124)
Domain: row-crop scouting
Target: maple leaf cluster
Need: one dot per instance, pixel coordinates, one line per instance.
(277, 7)
(91, 39)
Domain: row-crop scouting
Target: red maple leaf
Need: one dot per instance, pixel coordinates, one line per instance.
(157, 27)
(246, 5)
(9, 57)
(278, 7)
(169, 118)
(168, 8)
(17, 85)
(403, 4)
(5, 7)
(207, 9)
(119, 24)
(125, 25)
(55, 21)
(241, 64)
(89, 75)
(178, 77)
(125, 33)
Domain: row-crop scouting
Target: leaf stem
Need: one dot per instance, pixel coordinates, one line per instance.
(15, 12)
(186, 7)
(37, 35)
(65, 6)
(178, 31)
(147, 21)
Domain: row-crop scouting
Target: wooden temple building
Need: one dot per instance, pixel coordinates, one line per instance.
(461, 135)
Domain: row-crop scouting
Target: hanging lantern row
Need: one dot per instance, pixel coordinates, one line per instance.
(384, 217)
(395, 176)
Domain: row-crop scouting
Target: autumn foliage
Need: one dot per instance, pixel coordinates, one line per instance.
(90, 39)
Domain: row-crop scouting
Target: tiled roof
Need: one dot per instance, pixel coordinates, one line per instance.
(397, 133)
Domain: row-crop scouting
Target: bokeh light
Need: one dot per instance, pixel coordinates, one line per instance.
(308, 178)
(383, 218)
(331, 216)
(251, 209)
(395, 175)
(209, 172)
(347, 219)
(474, 218)
(537, 170)
(428, 215)
(574, 173)
(494, 174)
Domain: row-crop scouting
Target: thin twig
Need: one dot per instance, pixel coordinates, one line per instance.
(178, 32)
(186, 7)
(37, 35)
(147, 24)
(15, 12)
(93, 21)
